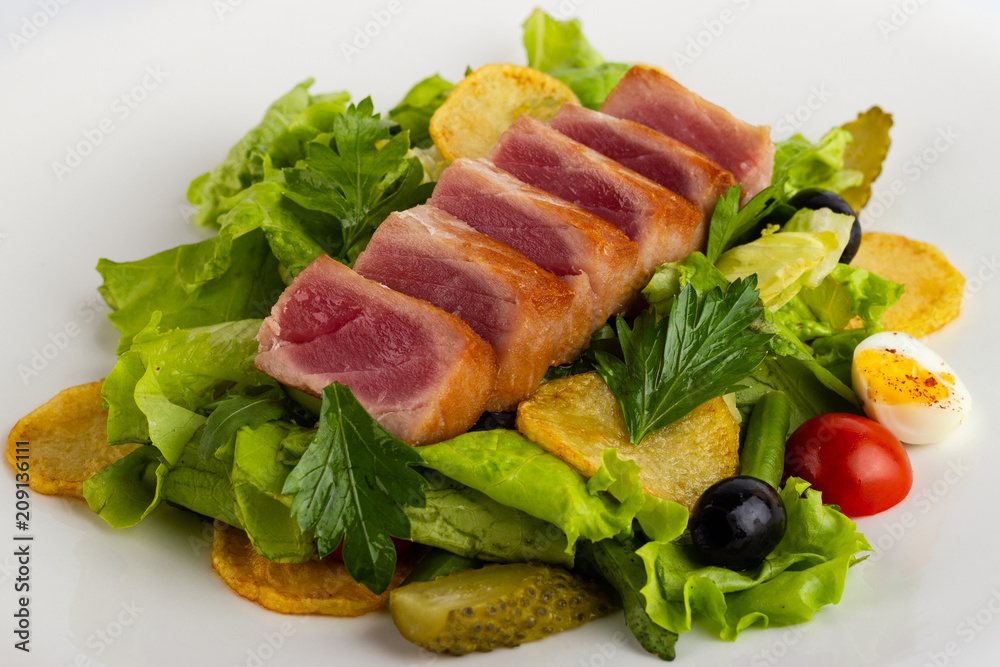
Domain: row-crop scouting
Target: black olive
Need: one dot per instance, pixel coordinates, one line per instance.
(816, 199)
(491, 421)
(737, 522)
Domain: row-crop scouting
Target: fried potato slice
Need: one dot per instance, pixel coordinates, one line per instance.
(67, 441)
(321, 587)
(867, 151)
(486, 102)
(933, 287)
(576, 418)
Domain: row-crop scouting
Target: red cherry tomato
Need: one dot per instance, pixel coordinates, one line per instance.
(854, 462)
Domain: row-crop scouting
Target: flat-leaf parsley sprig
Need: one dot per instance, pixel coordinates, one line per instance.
(351, 484)
(671, 366)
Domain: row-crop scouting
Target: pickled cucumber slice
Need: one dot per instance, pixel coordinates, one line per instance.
(866, 152)
(498, 605)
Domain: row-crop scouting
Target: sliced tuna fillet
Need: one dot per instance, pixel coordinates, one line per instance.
(650, 97)
(525, 313)
(421, 372)
(588, 253)
(674, 165)
(665, 226)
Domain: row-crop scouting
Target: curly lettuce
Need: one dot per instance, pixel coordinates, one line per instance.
(805, 572)
(517, 473)
(560, 49)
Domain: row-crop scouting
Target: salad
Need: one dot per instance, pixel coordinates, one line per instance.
(225, 441)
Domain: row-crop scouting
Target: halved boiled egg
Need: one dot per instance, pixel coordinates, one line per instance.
(908, 388)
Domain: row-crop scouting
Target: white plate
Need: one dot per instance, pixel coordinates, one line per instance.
(147, 596)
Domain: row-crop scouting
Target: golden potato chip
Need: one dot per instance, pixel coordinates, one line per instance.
(66, 442)
(487, 102)
(320, 587)
(867, 151)
(576, 418)
(933, 287)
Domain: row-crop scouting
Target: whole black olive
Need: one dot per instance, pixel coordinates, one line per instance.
(491, 421)
(737, 522)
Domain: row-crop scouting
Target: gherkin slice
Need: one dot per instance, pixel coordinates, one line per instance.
(498, 605)
(867, 151)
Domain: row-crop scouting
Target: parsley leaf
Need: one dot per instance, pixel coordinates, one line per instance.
(729, 222)
(672, 366)
(358, 175)
(351, 484)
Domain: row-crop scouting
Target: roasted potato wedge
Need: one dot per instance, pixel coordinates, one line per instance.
(321, 587)
(67, 442)
(486, 102)
(933, 287)
(576, 418)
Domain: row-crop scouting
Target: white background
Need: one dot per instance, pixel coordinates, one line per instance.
(935, 65)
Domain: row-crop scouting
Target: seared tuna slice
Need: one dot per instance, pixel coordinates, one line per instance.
(651, 97)
(674, 165)
(665, 226)
(421, 372)
(585, 251)
(529, 316)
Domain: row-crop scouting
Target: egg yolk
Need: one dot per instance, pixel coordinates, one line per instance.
(896, 380)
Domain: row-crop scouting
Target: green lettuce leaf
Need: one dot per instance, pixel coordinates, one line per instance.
(414, 111)
(800, 320)
(242, 165)
(835, 352)
(198, 482)
(125, 492)
(782, 262)
(192, 285)
(553, 45)
(805, 572)
(808, 395)
(786, 344)
(819, 315)
(518, 473)
(592, 84)
(158, 391)
(262, 509)
(560, 49)
(242, 487)
(822, 220)
(802, 164)
(849, 292)
(211, 420)
(670, 278)
(232, 276)
(471, 524)
(659, 519)
(295, 237)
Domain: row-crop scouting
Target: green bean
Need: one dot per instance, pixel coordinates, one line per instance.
(763, 454)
